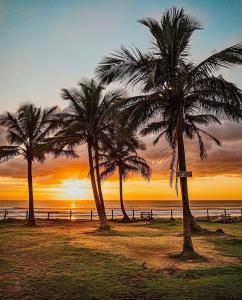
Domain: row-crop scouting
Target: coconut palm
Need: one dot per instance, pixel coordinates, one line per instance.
(119, 153)
(27, 133)
(85, 121)
(178, 95)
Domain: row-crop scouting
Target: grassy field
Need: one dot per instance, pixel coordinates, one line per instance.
(63, 260)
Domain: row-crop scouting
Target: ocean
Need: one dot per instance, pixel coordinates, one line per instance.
(114, 204)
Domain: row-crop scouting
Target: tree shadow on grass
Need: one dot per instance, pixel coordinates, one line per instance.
(160, 224)
(113, 232)
(100, 232)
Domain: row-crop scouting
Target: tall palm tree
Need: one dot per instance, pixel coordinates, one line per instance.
(27, 133)
(119, 153)
(178, 95)
(85, 121)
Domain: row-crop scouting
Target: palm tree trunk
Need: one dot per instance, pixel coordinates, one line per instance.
(31, 218)
(187, 239)
(99, 186)
(102, 219)
(195, 227)
(121, 195)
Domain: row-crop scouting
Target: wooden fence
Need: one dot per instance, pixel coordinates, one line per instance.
(113, 214)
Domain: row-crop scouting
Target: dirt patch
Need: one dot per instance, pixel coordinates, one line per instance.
(148, 246)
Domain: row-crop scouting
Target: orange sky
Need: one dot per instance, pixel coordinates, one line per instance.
(218, 178)
(205, 188)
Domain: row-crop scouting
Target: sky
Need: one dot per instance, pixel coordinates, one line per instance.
(52, 44)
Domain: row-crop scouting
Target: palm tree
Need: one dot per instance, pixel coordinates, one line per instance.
(119, 153)
(28, 132)
(85, 121)
(178, 95)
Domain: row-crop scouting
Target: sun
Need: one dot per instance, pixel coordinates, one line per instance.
(75, 189)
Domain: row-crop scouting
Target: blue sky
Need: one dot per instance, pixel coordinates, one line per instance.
(50, 44)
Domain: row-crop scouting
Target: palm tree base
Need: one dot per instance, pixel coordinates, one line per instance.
(196, 229)
(30, 222)
(187, 255)
(104, 227)
(190, 255)
(126, 219)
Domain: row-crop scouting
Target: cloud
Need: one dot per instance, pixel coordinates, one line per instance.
(228, 131)
(221, 160)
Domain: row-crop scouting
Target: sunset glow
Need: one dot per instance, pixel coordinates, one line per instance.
(201, 188)
(74, 189)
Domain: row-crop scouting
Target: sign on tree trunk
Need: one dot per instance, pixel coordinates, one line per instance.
(184, 174)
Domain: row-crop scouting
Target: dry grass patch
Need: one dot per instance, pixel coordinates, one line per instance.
(148, 246)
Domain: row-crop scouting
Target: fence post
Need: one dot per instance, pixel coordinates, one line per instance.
(171, 214)
(27, 214)
(5, 214)
(151, 213)
(70, 214)
(133, 212)
(48, 216)
(112, 214)
(225, 216)
(207, 215)
(91, 215)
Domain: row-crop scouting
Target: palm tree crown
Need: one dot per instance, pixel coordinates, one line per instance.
(165, 73)
(85, 117)
(28, 132)
(120, 151)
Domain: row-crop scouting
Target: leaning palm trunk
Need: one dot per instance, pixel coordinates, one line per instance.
(31, 218)
(126, 217)
(187, 239)
(102, 219)
(99, 186)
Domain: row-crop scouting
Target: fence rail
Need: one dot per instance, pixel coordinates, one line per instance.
(207, 213)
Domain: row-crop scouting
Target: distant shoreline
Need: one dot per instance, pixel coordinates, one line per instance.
(114, 204)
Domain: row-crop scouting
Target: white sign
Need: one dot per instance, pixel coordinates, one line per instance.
(184, 174)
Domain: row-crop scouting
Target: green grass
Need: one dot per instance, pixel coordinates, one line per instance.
(42, 263)
(230, 246)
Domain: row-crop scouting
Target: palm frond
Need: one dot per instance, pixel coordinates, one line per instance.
(126, 65)
(9, 152)
(210, 136)
(109, 171)
(223, 59)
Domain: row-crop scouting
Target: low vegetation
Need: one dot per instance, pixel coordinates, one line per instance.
(75, 260)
